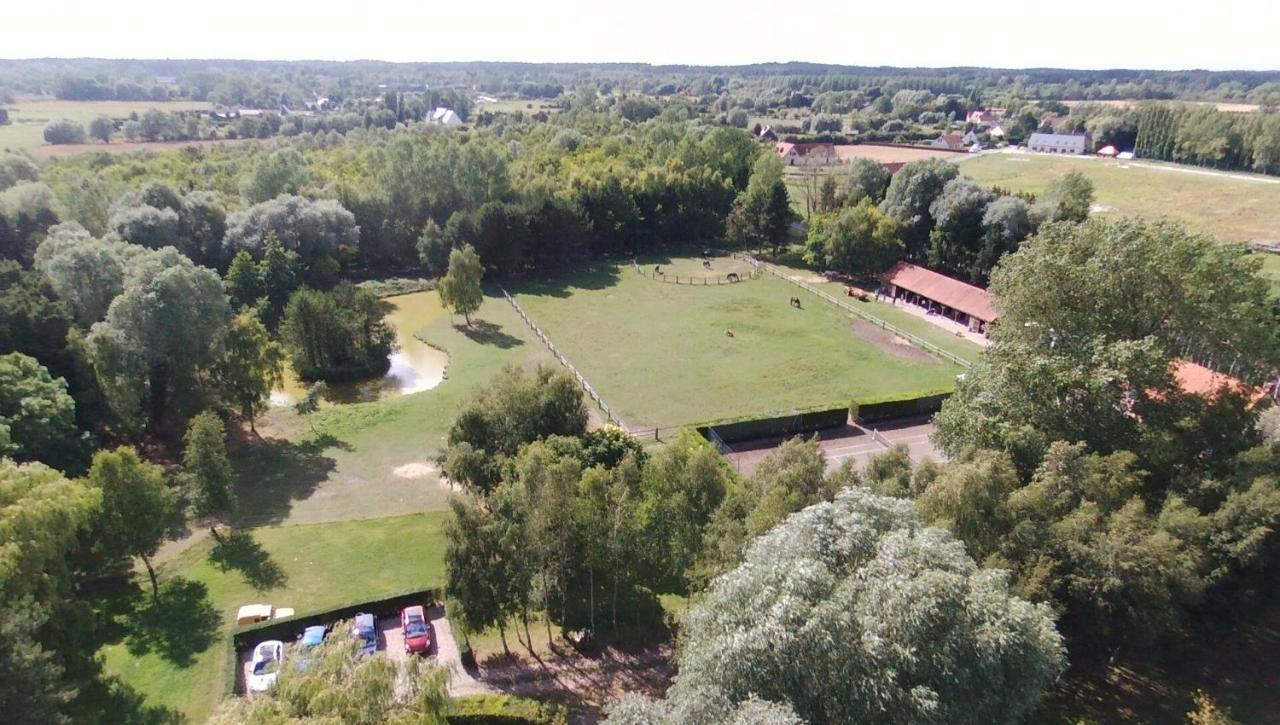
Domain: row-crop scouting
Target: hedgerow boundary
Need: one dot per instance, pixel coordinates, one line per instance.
(840, 304)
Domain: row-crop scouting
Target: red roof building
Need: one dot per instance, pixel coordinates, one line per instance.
(806, 154)
(965, 303)
(1200, 380)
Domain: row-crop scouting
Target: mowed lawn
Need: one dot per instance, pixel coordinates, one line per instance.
(28, 116)
(659, 352)
(307, 567)
(376, 459)
(1235, 207)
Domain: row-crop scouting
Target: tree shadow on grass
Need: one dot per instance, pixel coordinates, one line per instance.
(273, 472)
(595, 276)
(179, 625)
(107, 699)
(488, 333)
(241, 552)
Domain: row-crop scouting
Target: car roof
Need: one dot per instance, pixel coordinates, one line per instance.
(364, 620)
(272, 643)
(313, 635)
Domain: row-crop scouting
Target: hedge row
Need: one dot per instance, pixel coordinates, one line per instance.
(873, 410)
(781, 426)
(504, 710)
(287, 629)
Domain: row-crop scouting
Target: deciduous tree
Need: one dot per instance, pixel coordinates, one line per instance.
(137, 507)
(460, 289)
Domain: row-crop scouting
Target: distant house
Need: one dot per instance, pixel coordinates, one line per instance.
(806, 154)
(970, 138)
(950, 141)
(967, 304)
(996, 131)
(445, 117)
(767, 133)
(1108, 152)
(1200, 380)
(981, 118)
(1058, 143)
(1050, 123)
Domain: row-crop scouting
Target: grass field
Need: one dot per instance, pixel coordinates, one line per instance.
(1229, 206)
(375, 459)
(659, 354)
(178, 659)
(29, 116)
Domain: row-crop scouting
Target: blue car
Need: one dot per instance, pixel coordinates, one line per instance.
(366, 630)
(311, 637)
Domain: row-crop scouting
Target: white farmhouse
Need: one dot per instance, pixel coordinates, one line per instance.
(445, 117)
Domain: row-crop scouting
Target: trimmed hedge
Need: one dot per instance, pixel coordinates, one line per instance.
(504, 710)
(287, 629)
(781, 426)
(873, 410)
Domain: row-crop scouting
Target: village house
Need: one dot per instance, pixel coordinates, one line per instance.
(1058, 143)
(806, 154)
(965, 303)
(950, 141)
(981, 118)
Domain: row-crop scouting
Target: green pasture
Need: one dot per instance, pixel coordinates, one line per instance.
(659, 352)
(176, 656)
(1230, 206)
(28, 116)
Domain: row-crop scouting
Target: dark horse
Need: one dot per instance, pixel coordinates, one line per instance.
(795, 302)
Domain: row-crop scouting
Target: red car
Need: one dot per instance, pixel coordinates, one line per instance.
(417, 635)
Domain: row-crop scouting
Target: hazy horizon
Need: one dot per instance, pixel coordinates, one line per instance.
(1090, 35)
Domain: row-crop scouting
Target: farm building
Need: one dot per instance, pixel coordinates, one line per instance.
(807, 154)
(445, 117)
(1058, 143)
(1108, 152)
(982, 118)
(967, 304)
(1199, 380)
(950, 141)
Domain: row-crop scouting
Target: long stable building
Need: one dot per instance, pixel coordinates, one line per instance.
(967, 304)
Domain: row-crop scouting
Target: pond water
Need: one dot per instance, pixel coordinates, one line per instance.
(415, 365)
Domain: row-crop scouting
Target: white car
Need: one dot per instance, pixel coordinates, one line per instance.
(267, 658)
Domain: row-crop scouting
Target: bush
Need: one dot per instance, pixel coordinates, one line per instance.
(64, 131)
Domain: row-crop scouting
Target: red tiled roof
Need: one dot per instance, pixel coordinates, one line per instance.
(1200, 380)
(969, 299)
(805, 148)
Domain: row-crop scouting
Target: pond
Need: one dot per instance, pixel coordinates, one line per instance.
(415, 365)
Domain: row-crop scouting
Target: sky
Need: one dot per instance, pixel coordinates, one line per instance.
(1085, 34)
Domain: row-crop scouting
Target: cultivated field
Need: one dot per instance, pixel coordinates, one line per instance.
(29, 116)
(891, 154)
(660, 355)
(1228, 107)
(1229, 206)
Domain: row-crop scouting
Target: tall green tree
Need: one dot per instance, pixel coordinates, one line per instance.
(205, 463)
(911, 194)
(460, 289)
(857, 591)
(859, 240)
(37, 415)
(137, 507)
(336, 335)
(252, 366)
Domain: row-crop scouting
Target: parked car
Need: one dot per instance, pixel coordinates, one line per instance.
(366, 629)
(254, 613)
(311, 638)
(417, 636)
(267, 658)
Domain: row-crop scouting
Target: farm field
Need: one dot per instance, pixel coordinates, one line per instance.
(1229, 206)
(1221, 106)
(375, 459)
(660, 355)
(891, 154)
(177, 658)
(29, 116)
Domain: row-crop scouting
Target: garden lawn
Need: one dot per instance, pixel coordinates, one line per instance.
(376, 459)
(659, 353)
(308, 567)
(1237, 207)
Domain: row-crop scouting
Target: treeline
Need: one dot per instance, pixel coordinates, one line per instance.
(1208, 137)
(237, 81)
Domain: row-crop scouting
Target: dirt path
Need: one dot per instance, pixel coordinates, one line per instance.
(890, 343)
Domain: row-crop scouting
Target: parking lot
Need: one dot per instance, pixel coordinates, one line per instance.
(850, 443)
(390, 641)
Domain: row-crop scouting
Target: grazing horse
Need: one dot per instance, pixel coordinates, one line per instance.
(795, 302)
(728, 332)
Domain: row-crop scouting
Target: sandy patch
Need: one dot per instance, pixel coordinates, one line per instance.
(809, 278)
(890, 343)
(417, 469)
